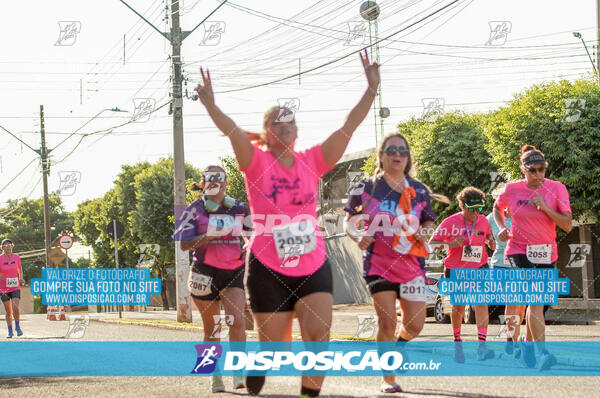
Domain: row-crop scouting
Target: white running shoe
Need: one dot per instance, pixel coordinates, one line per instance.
(238, 382)
(217, 384)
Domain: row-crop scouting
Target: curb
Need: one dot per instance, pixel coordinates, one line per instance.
(334, 337)
(153, 324)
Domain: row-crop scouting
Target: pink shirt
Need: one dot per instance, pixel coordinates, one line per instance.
(531, 226)
(455, 226)
(9, 268)
(279, 195)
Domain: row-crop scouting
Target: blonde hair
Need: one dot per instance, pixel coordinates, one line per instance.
(260, 139)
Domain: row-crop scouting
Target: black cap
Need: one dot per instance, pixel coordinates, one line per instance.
(4, 241)
(533, 157)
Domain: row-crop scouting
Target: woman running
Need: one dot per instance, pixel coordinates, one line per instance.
(466, 233)
(288, 271)
(537, 205)
(11, 277)
(393, 260)
(217, 274)
(512, 316)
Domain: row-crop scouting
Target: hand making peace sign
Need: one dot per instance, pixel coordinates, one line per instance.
(371, 70)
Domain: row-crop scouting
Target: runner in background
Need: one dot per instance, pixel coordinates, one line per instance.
(394, 264)
(537, 205)
(466, 233)
(288, 271)
(217, 274)
(11, 277)
(499, 260)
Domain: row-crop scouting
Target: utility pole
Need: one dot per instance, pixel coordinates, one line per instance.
(45, 164)
(598, 38)
(43, 152)
(182, 264)
(184, 302)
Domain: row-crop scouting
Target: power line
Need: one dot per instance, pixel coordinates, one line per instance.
(337, 59)
(15, 177)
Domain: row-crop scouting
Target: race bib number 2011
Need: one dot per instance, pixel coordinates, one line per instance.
(539, 254)
(298, 237)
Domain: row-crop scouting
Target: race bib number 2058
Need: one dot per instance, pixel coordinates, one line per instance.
(539, 254)
(12, 282)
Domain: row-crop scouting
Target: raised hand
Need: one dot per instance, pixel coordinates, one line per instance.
(205, 90)
(371, 70)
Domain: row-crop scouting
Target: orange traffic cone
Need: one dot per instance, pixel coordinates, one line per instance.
(62, 315)
(51, 313)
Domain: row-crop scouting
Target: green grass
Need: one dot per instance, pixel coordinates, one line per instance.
(161, 322)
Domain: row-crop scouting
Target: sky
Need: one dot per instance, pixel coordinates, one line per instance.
(450, 59)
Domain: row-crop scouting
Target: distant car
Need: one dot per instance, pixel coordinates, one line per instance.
(442, 310)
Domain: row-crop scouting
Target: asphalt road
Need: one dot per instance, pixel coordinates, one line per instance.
(345, 321)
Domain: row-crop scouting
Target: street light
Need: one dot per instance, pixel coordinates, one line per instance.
(115, 109)
(578, 36)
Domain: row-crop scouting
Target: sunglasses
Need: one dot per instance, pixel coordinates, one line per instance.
(392, 149)
(536, 170)
(474, 207)
(218, 177)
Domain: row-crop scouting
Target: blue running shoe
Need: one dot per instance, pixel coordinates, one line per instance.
(547, 360)
(517, 354)
(528, 353)
(484, 353)
(459, 355)
(509, 347)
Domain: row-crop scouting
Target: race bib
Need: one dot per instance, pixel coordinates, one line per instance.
(198, 284)
(294, 239)
(12, 282)
(472, 254)
(539, 254)
(413, 290)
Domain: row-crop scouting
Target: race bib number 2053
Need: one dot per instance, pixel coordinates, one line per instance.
(298, 237)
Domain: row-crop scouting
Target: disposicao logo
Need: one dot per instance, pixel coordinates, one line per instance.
(207, 358)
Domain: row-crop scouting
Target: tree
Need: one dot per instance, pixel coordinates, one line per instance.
(448, 155)
(22, 220)
(91, 219)
(236, 187)
(142, 199)
(569, 136)
(153, 218)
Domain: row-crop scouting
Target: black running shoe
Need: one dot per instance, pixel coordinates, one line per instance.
(254, 384)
